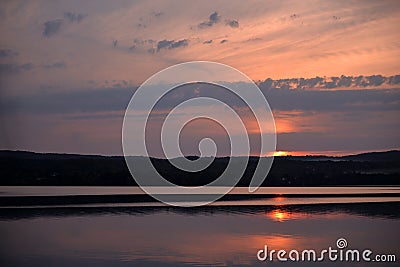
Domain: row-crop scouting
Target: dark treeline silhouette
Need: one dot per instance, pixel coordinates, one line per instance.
(28, 168)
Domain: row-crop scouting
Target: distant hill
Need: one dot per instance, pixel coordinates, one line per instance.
(389, 156)
(393, 155)
(35, 155)
(29, 168)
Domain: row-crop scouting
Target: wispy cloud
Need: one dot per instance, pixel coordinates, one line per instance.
(8, 53)
(74, 17)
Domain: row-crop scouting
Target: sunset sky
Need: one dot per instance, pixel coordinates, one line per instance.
(69, 68)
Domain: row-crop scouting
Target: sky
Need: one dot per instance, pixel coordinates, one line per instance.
(329, 69)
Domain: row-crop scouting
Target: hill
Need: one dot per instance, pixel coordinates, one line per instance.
(29, 168)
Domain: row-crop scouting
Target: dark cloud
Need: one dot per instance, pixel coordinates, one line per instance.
(7, 53)
(232, 23)
(55, 65)
(117, 97)
(212, 19)
(115, 43)
(15, 68)
(51, 27)
(331, 82)
(74, 17)
(223, 41)
(208, 42)
(171, 44)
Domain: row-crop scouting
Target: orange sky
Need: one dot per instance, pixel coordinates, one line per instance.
(278, 40)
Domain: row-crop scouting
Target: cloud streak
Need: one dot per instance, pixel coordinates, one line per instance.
(15, 68)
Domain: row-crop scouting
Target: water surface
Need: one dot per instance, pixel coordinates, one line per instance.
(221, 235)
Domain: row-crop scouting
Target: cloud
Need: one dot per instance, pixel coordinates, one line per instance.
(11, 68)
(140, 42)
(115, 43)
(208, 42)
(15, 68)
(342, 82)
(74, 17)
(7, 53)
(232, 23)
(157, 14)
(215, 18)
(116, 98)
(212, 19)
(223, 41)
(370, 115)
(51, 27)
(171, 44)
(55, 65)
(66, 102)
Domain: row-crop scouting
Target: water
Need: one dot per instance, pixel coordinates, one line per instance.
(227, 234)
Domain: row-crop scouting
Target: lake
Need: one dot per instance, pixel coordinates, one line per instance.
(227, 233)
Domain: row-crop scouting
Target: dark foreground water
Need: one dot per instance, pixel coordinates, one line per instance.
(229, 235)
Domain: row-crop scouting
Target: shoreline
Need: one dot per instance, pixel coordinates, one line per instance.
(278, 199)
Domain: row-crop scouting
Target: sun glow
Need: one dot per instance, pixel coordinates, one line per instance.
(279, 215)
(280, 153)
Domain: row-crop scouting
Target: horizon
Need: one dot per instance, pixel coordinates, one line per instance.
(287, 154)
